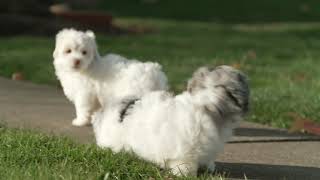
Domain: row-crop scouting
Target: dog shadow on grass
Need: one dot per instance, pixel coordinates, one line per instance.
(265, 171)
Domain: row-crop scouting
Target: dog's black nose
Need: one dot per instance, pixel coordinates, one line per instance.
(77, 62)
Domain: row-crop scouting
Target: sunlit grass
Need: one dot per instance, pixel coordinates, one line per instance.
(30, 155)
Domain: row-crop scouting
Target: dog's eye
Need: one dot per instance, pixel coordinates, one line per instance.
(84, 52)
(68, 51)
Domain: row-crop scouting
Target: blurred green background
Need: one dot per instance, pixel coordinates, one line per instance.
(275, 42)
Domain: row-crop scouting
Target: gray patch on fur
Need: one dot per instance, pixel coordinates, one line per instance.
(230, 86)
(196, 82)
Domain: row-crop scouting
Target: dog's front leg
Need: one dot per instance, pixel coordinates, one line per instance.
(84, 107)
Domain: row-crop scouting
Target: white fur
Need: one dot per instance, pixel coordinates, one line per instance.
(94, 80)
(179, 132)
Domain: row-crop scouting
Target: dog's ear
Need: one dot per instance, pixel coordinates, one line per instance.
(60, 35)
(90, 34)
(55, 51)
(55, 54)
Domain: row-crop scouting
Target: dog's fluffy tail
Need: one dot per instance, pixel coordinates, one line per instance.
(223, 91)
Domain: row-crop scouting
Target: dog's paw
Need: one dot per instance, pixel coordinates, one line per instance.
(180, 168)
(211, 167)
(80, 122)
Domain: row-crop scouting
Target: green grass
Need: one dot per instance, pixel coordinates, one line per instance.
(282, 60)
(29, 155)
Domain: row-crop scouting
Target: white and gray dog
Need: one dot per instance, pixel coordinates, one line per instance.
(179, 132)
(89, 80)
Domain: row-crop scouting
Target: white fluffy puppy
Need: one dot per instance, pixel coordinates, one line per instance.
(89, 80)
(179, 132)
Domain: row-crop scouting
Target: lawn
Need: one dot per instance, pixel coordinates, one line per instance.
(29, 155)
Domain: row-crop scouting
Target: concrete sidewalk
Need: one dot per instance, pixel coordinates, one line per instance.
(256, 151)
